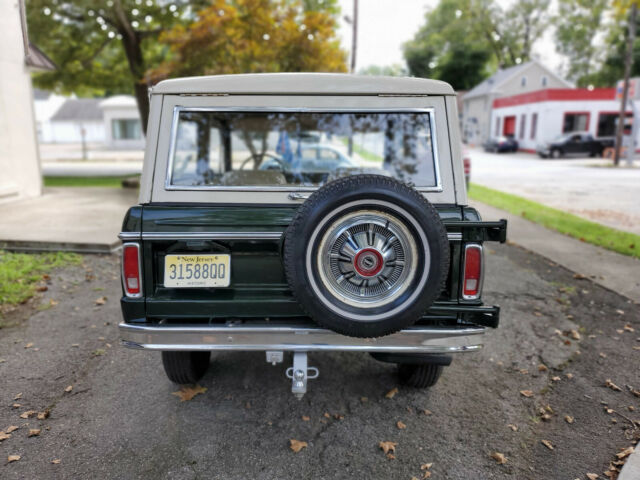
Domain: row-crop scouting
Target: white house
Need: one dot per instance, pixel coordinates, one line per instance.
(19, 160)
(477, 102)
(113, 122)
(537, 117)
(77, 118)
(121, 122)
(45, 105)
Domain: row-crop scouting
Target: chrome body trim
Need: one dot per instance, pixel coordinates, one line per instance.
(126, 236)
(129, 236)
(124, 283)
(292, 337)
(464, 265)
(296, 188)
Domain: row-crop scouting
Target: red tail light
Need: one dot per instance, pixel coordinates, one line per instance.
(467, 165)
(131, 275)
(472, 274)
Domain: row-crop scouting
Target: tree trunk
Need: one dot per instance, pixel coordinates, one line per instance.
(132, 44)
(625, 90)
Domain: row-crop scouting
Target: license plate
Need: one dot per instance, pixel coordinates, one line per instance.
(197, 271)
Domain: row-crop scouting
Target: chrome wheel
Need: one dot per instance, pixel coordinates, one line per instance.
(367, 258)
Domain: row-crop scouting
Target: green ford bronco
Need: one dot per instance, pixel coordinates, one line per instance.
(304, 213)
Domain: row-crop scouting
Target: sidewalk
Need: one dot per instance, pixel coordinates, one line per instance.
(604, 267)
(81, 219)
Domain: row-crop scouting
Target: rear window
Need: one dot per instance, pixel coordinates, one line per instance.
(220, 149)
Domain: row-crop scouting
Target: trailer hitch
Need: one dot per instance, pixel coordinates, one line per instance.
(300, 373)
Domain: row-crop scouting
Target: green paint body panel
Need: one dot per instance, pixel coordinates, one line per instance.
(258, 285)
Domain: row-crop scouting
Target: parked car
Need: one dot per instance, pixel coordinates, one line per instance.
(220, 258)
(501, 144)
(466, 163)
(311, 158)
(574, 144)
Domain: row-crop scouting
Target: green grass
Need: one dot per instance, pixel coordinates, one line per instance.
(113, 182)
(584, 230)
(21, 272)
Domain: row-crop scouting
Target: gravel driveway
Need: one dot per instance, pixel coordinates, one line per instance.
(120, 419)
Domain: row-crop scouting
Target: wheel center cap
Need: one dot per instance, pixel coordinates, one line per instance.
(368, 262)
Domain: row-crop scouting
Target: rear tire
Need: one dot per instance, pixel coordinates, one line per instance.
(556, 153)
(419, 376)
(185, 367)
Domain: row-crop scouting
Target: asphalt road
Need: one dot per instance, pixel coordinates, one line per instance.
(121, 420)
(586, 187)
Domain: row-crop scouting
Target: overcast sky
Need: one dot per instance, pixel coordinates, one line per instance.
(384, 25)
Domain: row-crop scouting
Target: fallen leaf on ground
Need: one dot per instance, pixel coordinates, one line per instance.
(592, 476)
(391, 456)
(391, 393)
(18, 396)
(547, 444)
(4, 436)
(44, 415)
(34, 432)
(628, 328)
(42, 288)
(297, 445)
(305, 418)
(542, 368)
(53, 302)
(426, 474)
(524, 371)
(364, 399)
(29, 345)
(401, 425)
(568, 418)
(426, 466)
(555, 379)
(338, 416)
(13, 458)
(569, 376)
(574, 334)
(499, 458)
(427, 412)
(579, 276)
(187, 393)
(624, 453)
(28, 414)
(513, 427)
(11, 428)
(612, 385)
(69, 388)
(620, 312)
(16, 405)
(55, 461)
(388, 447)
(326, 415)
(101, 300)
(526, 393)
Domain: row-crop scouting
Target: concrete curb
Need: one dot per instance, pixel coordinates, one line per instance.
(631, 469)
(611, 270)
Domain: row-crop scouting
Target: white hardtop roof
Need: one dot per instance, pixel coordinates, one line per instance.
(302, 84)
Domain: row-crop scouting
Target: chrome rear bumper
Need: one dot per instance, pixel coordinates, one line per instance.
(292, 337)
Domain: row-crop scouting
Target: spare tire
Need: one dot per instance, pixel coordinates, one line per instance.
(366, 255)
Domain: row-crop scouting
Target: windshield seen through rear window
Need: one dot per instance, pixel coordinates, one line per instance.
(221, 148)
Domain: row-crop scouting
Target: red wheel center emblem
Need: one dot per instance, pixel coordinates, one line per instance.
(368, 262)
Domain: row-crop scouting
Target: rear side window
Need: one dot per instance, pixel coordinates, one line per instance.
(273, 149)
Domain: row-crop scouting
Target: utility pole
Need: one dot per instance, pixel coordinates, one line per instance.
(625, 89)
(354, 38)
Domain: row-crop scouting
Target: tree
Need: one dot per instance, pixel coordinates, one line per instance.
(578, 25)
(103, 46)
(449, 47)
(241, 36)
(394, 70)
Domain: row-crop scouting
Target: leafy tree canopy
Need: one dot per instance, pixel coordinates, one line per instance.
(243, 36)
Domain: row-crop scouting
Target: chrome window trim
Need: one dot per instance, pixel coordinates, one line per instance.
(124, 283)
(464, 267)
(289, 188)
(453, 236)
